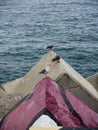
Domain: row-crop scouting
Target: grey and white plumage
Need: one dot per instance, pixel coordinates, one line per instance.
(46, 70)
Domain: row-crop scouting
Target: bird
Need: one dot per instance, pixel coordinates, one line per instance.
(49, 47)
(56, 58)
(46, 70)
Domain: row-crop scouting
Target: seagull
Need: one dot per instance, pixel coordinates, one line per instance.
(56, 58)
(49, 47)
(46, 70)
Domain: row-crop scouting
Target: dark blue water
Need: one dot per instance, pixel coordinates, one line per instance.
(28, 26)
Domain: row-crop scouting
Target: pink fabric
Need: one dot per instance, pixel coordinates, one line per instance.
(89, 117)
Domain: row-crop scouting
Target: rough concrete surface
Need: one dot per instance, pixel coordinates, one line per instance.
(7, 102)
(9, 92)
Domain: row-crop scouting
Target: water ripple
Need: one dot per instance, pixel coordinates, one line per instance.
(28, 26)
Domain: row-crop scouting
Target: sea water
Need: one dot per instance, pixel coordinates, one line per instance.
(27, 27)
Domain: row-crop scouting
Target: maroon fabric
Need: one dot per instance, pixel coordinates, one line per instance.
(89, 117)
(46, 95)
